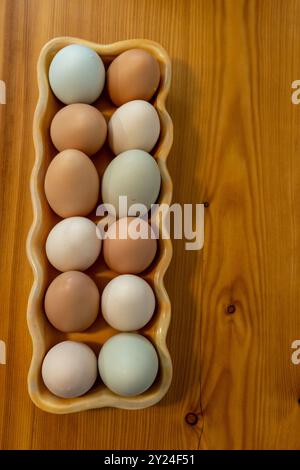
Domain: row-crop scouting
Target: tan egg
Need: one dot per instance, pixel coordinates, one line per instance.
(126, 248)
(78, 126)
(133, 75)
(72, 184)
(72, 302)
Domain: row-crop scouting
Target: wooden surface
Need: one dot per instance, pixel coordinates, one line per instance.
(236, 146)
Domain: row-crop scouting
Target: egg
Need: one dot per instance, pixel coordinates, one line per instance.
(72, 302)
(78, 126)
(135, 125)
(128, 364)
(134, 174)
(127, 303)
(73, 244)
(133, 75)
(72, 184)
(77, 74)
(126, 252)
(69, 369)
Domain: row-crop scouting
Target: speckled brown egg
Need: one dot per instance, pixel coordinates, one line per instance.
(72, 184)
(72, 302)
(126, 252)
(133, 75)
(78, 126)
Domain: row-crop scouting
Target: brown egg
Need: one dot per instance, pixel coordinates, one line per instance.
(78, 126)
(72, 184)
(125, 254)
(133, 75)
(72, 302)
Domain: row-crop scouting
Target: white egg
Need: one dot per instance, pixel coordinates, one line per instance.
(127, 303)
(77, 75)
(73, 244)
(135, 125)
(134, 174)
(69, 369)
(128, 364)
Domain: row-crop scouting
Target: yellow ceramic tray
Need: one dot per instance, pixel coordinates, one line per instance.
(44, 336)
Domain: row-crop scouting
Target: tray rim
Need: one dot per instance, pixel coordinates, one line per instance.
(91, 402)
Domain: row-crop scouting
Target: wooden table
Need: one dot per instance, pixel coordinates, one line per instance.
(237, 146)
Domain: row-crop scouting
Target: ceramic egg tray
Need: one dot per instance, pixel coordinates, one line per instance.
(44, 336)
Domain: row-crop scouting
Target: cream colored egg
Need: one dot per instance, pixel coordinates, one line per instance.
(128, 364)
(134, 174)
(135, 125)
(73, 244)
(69, 369)
(127, 303)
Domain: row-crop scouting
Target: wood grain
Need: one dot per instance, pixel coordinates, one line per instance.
(236, 146)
